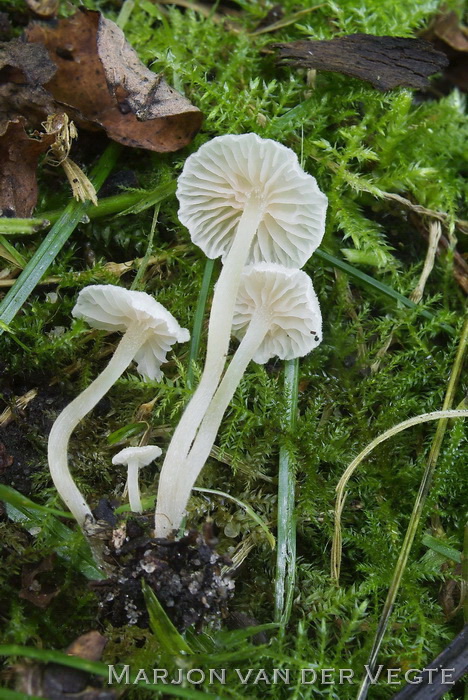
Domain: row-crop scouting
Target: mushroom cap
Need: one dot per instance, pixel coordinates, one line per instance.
(288, 300)
(112, 308)
(224, 173)
(144, 455)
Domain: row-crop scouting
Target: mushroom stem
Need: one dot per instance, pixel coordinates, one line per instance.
(174, 492)
(219, 333)
(133, 486)
(76, 411)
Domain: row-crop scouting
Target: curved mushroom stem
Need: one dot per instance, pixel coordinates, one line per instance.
(133, 486)
(76, 411)
(174, 492)
(219, 333)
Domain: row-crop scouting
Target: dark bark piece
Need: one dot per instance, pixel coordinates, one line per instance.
(101, 82)
(19, 157)
(385, 61)
(432, 687)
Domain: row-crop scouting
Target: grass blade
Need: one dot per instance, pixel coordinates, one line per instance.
(29, 514)
(99, 669)
(16, 499)
(376, 284)
(286, 553)
(170, 640)
(16, 695)
(54, 241)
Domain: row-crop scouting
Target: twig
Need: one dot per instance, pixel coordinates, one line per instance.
(435, 232)
(20, 404)
(117, 269)
(286, 21)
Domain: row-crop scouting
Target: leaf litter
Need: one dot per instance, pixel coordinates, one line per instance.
(80, 68)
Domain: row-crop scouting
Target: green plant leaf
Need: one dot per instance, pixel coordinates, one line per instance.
(169, 638)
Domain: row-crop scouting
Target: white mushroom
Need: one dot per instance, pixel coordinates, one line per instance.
(135, 458)
(276, 314)
(149, 332)
(248, 200)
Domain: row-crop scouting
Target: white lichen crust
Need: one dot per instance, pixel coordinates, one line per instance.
(224, 174)
(287, 299)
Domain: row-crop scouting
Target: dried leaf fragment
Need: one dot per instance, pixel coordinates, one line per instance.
(385, 61)
(24, 68)
(43, 8)
(101, 82)
(450, 36)
(64, 131)
(88, 646)
(35, 590)
(19, 157)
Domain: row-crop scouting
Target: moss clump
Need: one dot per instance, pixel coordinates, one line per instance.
(379, 363)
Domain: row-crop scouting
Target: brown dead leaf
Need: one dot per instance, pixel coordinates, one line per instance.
(24, 68)
(35, 591)
(88, 646)
(101, 82)
(385, 61)
(19, 157)
(450, 36)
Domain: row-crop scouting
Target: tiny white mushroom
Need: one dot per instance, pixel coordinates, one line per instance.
(135, 458)
(149, 332)
(277, 313)
(248, 200)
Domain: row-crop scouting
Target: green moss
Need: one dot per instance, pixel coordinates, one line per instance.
(360, 144)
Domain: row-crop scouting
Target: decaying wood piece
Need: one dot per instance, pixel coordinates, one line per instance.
(385, 61)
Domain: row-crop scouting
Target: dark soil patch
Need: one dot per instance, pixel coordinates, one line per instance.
(24, 437)
(185, 574)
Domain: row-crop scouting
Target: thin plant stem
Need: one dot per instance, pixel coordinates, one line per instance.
(149, 249)
(372, 282)
(286, 533)
(125, 12)
(130, 202)
(417, 510)
(54, 241)
(10, 253)
(340, 489)
(198, 320)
